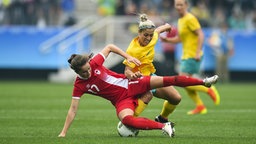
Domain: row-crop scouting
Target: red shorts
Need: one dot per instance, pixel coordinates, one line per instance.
(130, 103)
(135, 88)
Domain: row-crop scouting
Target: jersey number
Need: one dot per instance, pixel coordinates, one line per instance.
(94, 89)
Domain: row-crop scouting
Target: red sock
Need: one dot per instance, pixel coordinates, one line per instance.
(181, 81)
(141, 123)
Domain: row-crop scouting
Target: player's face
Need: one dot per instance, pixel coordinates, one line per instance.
(146, 36)
(85, 71)
(181, 6)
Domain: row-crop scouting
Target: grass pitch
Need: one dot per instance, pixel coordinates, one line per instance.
(34, 112)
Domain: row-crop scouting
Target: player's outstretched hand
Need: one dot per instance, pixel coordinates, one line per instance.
(134, 60)
(136, 75)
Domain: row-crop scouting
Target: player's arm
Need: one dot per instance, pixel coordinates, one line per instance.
(166, 27)
(70, 116)
(130, 74)
(175, 39)
(200, 35)
(112, 48)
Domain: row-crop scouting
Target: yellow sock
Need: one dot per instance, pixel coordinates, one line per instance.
(194, 96)
(198, 88)
(167, 109)
(140, 108)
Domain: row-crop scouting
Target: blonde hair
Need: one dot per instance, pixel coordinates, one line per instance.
(145, 23)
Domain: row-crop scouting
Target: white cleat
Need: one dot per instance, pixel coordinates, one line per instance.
(168, 129)
(211, 80)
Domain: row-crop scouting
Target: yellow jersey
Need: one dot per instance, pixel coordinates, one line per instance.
(143, 53)
(189, 40)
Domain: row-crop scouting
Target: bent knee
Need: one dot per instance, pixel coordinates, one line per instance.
(146, 98)
(174, 98)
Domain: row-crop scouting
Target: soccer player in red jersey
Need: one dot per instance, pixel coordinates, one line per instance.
(94, 78)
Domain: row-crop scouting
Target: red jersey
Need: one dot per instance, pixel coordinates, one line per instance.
(108, 84)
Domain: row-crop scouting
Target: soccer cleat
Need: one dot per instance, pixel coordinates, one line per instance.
(161, 119)
(169, 129)
(198, 110)
(211, 80)
(214, 94)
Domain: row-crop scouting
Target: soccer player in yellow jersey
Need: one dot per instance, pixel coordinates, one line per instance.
(142, 48)
(191, 36)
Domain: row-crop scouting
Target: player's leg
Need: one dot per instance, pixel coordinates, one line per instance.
(181, 81)
(125, 112)
(212, 92)
(143, 102)
(127, 118)
(172, 99)
(190, 67)
(142, 123)
(200, 108)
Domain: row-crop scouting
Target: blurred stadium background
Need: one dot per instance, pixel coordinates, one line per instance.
(38, 36)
